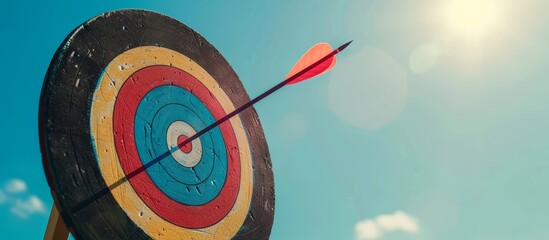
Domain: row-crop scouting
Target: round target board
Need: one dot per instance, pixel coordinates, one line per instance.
(122, 93)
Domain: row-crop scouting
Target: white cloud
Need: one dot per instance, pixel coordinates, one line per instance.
(24, 208)
(398, 221)
(367, 229)
(13, 194)
(375, 228)
(16, 186)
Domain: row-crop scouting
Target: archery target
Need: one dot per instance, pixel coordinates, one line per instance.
(121, 93)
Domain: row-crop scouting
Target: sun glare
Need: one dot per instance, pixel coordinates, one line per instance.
(472, 19)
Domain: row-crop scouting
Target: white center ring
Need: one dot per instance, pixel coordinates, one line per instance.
(179, 129)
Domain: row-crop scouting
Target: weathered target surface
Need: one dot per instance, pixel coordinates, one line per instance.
(122, 91)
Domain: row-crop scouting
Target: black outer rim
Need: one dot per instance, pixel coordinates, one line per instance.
(65, 142)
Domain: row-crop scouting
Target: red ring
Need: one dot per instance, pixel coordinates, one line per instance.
(129, 96)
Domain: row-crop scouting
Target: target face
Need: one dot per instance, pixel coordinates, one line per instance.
(123, 91)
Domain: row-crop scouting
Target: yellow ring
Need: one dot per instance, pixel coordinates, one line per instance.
(116, 73)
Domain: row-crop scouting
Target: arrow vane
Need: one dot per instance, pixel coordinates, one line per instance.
(314, 54)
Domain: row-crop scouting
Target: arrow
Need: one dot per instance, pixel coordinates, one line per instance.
(317, 60)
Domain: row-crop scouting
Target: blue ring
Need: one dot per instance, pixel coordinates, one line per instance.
(158, 109)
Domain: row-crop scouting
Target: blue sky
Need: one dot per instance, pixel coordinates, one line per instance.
(432, 126)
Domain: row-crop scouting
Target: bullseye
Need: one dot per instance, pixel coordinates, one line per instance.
(185, 148)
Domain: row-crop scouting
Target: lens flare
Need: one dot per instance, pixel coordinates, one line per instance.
(473, 19)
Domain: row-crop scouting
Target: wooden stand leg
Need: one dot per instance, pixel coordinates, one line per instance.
(57, 230)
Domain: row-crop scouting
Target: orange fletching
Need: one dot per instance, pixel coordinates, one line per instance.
(314, 54)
